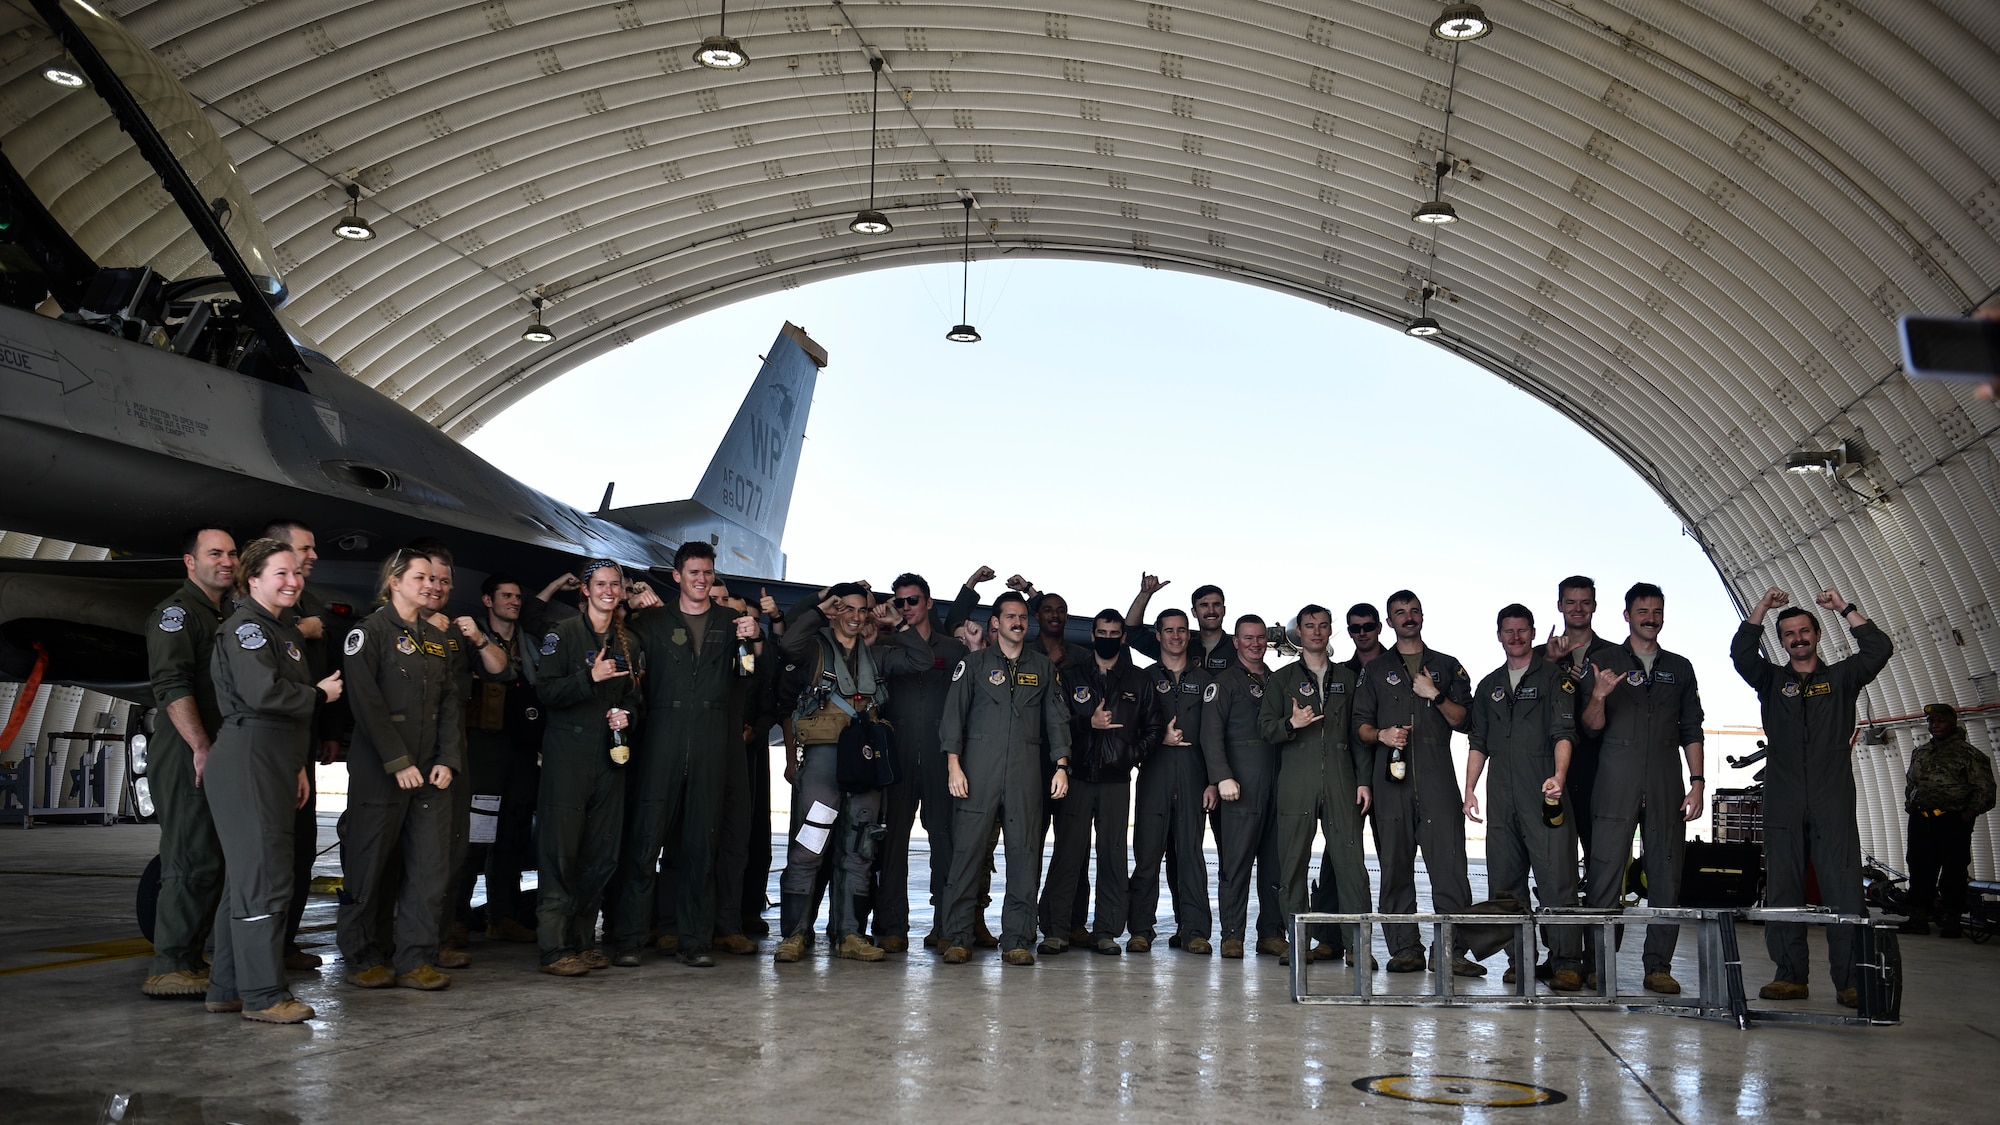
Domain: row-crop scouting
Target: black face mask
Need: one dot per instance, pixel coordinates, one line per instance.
(1108, 647)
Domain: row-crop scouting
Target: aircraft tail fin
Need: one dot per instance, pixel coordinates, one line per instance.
(749, 481)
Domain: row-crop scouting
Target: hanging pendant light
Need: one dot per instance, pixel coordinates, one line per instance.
(870, 221)
(63, 73)
(352, 226)
(719, 51)
(963, 333)
(1425, 324)
(1461, 23)
(537, 333)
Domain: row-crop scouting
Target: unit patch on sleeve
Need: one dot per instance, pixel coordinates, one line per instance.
(548, 644)
(355, 637)
(173, 619)
(958, 671)
(251, 636)
(1208, 694)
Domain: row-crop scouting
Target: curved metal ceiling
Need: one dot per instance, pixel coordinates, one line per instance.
(1688, 225)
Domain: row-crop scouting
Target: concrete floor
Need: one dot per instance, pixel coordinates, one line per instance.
(1160, 1037)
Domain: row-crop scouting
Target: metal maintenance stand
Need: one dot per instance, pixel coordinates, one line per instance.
(1719, 991)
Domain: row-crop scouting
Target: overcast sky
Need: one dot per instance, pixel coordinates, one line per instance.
(1118, 419)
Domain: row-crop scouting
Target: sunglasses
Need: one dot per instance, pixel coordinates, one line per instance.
(1370, 627)
(905, 603)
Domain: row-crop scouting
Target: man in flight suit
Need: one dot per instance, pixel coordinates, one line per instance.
(674, 790)
(1173, 794)
(1322, 769)
(1116, 726)
(1244, 769)
(1523, 722)
(1002, 715)
(1572, 650)
(179, 647)
(1411, 698)
(1808, 709)
(1647, 707)
(916, 703)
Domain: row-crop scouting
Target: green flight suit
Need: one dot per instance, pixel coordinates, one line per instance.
(1245, 832)
(679, 774)
(265, 689)
(1320, 766)
(1002, 718)
(581, 807)
(397, 678)
(1517, 727)
(179, 649)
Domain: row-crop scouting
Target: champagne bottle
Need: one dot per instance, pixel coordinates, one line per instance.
(746, 657)
(621, 751)
(1552, 811)
(1399, 766)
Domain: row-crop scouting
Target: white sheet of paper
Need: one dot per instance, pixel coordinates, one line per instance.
(485, 826)
(813, 838)
(821, 813)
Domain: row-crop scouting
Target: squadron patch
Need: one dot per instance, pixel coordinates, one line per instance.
(996, 677)
(1791, 690)
(1083, 695)
(251, 636)
(354, 641)
(958, 671)
(1305, 688)
(1256, 690)
(1164, 687)
(1635, 677)
(406, 646)
(548, 644)
(1393, 678)
(1499, 694)
(531, 713)
(292, 650)
(173, 619)
(1208, 694)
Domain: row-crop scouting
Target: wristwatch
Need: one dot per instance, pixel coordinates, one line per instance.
(1693, 777)
(1851, 608)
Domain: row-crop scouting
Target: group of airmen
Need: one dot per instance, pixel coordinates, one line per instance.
(621, 752)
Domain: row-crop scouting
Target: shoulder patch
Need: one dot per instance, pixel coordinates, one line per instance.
(251, 636)
(355, 639)
(1208, 694)
(958, 671)
(173, 619)
(549, 642)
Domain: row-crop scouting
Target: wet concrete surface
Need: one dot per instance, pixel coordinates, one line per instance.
(1157, 1037)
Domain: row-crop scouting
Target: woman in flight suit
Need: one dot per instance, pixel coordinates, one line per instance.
(408, 744)
(256, 781)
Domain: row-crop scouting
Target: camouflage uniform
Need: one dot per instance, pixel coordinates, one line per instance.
(1950, 785)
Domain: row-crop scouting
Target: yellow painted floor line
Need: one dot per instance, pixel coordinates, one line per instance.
(96, 951)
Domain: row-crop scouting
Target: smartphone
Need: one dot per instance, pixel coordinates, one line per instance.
(1937, 347)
